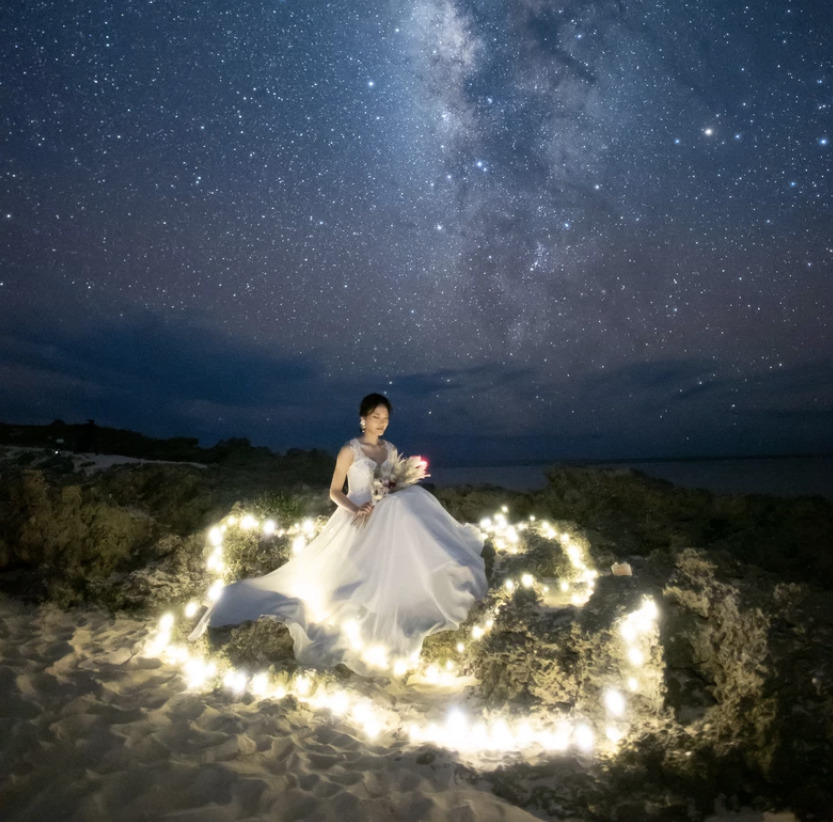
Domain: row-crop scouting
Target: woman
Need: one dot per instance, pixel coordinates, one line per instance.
(378, 579)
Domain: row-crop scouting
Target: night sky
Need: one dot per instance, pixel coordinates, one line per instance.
(544, 229)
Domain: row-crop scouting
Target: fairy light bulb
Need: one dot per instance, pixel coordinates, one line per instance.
(584, 737)
(298, 544)
(614, 702)
(260, 684)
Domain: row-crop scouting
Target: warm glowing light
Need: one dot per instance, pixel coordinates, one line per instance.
(583, 737)
(614, 734)
(456, 724)
(260, 684)
(614, 702)
(339, 703)
(459, 731)
(557, 740)
(235, 681)
(628, 631)
(400, 667)
(376, 656)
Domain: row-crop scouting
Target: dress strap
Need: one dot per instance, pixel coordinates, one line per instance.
(355, 448)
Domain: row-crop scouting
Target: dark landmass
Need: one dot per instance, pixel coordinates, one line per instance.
(740, 706)
(90, 438)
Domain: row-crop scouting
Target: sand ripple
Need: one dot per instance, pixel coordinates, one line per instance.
(92, 732)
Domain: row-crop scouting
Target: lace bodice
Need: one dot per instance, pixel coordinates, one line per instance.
(361, 470)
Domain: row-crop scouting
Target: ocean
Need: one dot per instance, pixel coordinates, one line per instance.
(778, 476)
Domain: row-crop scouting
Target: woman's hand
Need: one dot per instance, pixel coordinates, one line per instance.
(363, 514)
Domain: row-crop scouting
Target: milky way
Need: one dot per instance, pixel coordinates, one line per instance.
(545, 229)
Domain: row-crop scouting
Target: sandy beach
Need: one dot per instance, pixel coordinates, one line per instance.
(94, 731)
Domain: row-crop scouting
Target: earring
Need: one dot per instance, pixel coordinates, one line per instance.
(362, 425)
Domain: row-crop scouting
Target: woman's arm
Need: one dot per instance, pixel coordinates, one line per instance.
(337, 495)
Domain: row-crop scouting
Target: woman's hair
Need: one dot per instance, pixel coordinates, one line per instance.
(372, 401)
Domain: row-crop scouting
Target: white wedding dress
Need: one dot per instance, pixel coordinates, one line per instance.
(367, 596)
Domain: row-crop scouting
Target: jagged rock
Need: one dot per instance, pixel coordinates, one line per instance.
(734, 697)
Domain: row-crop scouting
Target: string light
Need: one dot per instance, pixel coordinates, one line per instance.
(459, 731)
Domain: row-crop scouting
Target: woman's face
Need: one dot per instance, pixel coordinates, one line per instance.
(376, 421)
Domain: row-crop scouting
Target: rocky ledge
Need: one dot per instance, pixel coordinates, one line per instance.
(732, 697)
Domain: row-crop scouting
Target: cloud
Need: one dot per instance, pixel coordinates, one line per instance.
(144, 371)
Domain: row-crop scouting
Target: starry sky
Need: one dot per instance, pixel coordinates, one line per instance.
(546, 229)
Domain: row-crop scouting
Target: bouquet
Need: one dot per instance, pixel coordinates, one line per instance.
(396, 473)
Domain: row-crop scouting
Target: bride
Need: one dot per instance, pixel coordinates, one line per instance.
(377, 579)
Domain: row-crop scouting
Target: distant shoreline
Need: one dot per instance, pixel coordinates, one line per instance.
(779, 475)
(595, 462)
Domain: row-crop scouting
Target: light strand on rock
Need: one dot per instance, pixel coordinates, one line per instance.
(490, 733)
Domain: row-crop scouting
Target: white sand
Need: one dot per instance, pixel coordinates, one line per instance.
(85, 463)
(90, 730)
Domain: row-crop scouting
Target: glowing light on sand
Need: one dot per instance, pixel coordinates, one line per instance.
(400, 667)
(235, 681)
(376, 656)
(260, 684)
(191, 609)
(339, 703)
